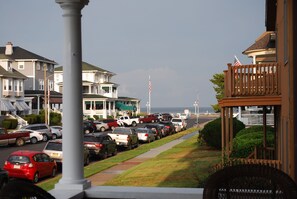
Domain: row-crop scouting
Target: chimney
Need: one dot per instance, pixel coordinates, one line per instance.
(9, 49)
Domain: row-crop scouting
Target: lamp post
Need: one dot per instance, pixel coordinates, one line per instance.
(196, 106)
(44, 88)
(147, 107)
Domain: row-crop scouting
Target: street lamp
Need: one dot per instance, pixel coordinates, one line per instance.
(196, 106)
(147, 107)
(46, 96)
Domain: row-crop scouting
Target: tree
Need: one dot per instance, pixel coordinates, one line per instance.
(218, 81)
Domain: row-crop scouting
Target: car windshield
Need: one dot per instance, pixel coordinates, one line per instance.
(121, 130)
(18, 159)
(176, 120)
(141, 130)
(54, 146)
(93, 139)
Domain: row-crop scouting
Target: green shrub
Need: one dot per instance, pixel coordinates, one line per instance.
(55, 118)
(6, 124)
(10, 123)
(212, 132)
(247, 139)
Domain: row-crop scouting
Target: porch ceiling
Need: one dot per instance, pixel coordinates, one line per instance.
(251, 101)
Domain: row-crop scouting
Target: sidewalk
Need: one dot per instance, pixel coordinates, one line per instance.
(106, 175)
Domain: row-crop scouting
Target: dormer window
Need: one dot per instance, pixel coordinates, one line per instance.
(21, 65)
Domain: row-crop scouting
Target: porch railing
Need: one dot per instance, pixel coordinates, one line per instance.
(252, 80)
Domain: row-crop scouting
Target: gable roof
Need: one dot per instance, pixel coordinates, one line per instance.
(13, 74)
(87, 67)
(20, 53)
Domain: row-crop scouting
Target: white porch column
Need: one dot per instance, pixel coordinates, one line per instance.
(72, 170)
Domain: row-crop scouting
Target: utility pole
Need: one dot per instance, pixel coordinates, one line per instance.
(45, 93)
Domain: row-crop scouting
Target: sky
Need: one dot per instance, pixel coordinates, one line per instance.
(179, 44)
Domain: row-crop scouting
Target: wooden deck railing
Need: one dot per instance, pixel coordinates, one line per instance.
(252, 80)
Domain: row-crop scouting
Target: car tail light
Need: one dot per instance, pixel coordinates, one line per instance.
(146, 135)
(99, 145)
(167, 127)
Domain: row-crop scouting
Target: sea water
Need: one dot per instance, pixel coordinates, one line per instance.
(175, 110)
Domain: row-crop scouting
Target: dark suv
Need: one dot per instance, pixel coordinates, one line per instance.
(166, 117)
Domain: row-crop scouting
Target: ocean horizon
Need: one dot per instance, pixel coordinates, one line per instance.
(174, 110)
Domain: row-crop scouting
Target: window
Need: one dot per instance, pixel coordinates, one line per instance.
(88, 105)
(10, 85)
(21, 86)
(21, 65)
(99, 105)
(41, 84)
(51, 85)
(37, 65)
(15, 83)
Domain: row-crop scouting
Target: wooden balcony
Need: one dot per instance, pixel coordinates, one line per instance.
(252, 85)
(252, 80)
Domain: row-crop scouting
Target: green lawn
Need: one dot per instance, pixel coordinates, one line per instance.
(189, 148)
(185, 165)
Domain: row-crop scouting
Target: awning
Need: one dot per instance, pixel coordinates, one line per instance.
(21, 105)
(124, 107)
(7, 106)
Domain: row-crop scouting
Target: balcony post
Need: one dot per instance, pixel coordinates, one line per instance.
(73, 166)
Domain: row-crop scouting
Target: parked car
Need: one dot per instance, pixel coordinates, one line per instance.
(57, 131)
(180, 121)
(166, 117)
(128, 121)
(112, 123)
(169, 125)
(54, 149)
(3, 178)
(145, 135)
(156, 129)
(125, 136)
(158, 115)
(148, 119)
(100, 145)
(35, 136)
(100, 126)
(165, 131)
(13, 138)
(88, 127)
(178, 127)
(30, 165)
(44, 128)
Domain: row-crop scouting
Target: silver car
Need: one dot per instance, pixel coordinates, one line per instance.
(145, 134)
(43, 128)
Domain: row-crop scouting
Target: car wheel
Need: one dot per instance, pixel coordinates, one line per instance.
(134, 124)
(33, 140)
(104, 155)
(87, 161)
(54, 172)
(3, 183)
(36, 178)
(102, 129)
(45, 138)
(20, 142)
(87, 131)
(115, 152)
(54, 136)
(129, 146)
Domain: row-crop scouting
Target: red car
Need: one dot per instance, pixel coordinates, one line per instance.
(148, 119)
(30, 165)
(112, 123)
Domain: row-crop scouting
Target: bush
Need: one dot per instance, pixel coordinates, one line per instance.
(212, 132)
(247, 139)
(10, 123)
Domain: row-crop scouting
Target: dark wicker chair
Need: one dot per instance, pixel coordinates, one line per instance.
(18, 189)
(249, 181)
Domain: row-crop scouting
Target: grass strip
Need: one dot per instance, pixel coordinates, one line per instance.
(102, 165)
(185, 165)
